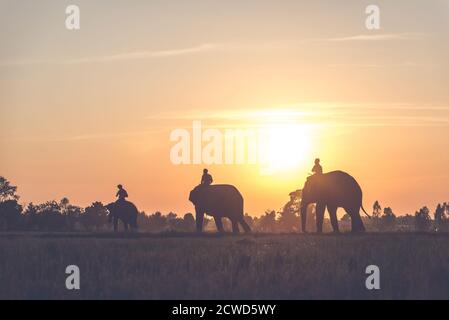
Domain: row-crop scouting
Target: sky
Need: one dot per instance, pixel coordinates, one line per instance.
(83, 110)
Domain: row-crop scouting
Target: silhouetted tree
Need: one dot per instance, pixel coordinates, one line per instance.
(376, 209)
(10, 214)
(94, 217)
(70, 212)
(189, 222)
(10, 210)
(441, 216)
(388, 219)
(445, 216)
(438, 217)
(251, 221)
(267, 222)
(31, 217)
(375, 222)
(289, 215)
(157, 222)
(142, 221)
(173, 222)
(405, 222)
(7, 191)
(422, 219)
(50, 217)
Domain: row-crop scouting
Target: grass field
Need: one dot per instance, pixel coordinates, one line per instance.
(259, 266)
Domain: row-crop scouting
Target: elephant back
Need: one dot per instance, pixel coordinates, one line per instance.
(220, 197)
(125, 209)
(342, 178)
(342, 185)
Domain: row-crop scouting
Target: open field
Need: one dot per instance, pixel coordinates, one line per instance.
(259, 266)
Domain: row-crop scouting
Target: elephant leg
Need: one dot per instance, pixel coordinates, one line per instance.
(245, 225)
(115, 220)
(235, 226)
(199, 222)
(134, 224)
(219, 224)
(356, 220)
(303, 213)
(333, 215)
(320, 207)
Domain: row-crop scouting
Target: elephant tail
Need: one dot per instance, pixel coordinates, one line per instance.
(365, 211)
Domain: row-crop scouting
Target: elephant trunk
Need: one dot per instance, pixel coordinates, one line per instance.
(303, 211)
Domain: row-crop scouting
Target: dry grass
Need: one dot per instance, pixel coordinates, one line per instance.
(181, 266)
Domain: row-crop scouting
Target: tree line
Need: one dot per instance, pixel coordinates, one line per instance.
(64, 216)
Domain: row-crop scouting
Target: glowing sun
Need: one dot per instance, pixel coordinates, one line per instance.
(285, 147)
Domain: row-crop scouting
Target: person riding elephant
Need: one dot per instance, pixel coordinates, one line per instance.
(125, 211)
(219, 200)
(317, 168)
(121, 193)
(332, 190)
(206, 178)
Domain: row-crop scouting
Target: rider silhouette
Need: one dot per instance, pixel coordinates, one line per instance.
(121, 193)
(206, 179)
(317, 169)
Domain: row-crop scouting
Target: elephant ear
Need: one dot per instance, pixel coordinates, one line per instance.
(309, 187)
(307, 183)
(193, 196)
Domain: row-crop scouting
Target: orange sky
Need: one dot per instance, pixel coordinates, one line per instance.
(84, 110)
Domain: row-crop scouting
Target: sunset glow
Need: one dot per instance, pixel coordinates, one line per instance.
(287, 147)
(79, 115)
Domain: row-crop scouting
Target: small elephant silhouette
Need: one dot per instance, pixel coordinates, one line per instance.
(125, 211)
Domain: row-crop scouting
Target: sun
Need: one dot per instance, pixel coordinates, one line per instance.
(285, 147)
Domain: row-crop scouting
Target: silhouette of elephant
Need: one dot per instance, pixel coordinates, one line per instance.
(125, 211)
(219, 200)
(332, 190)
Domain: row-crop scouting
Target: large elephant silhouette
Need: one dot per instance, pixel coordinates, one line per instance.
(218, 200)
(125, 211)
(332, 190)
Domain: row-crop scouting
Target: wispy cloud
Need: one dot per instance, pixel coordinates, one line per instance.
(404, 64)
(90, 136)
(127, 56)
(201, 48)
(147, 54)
(377, 37)
(318, 114)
